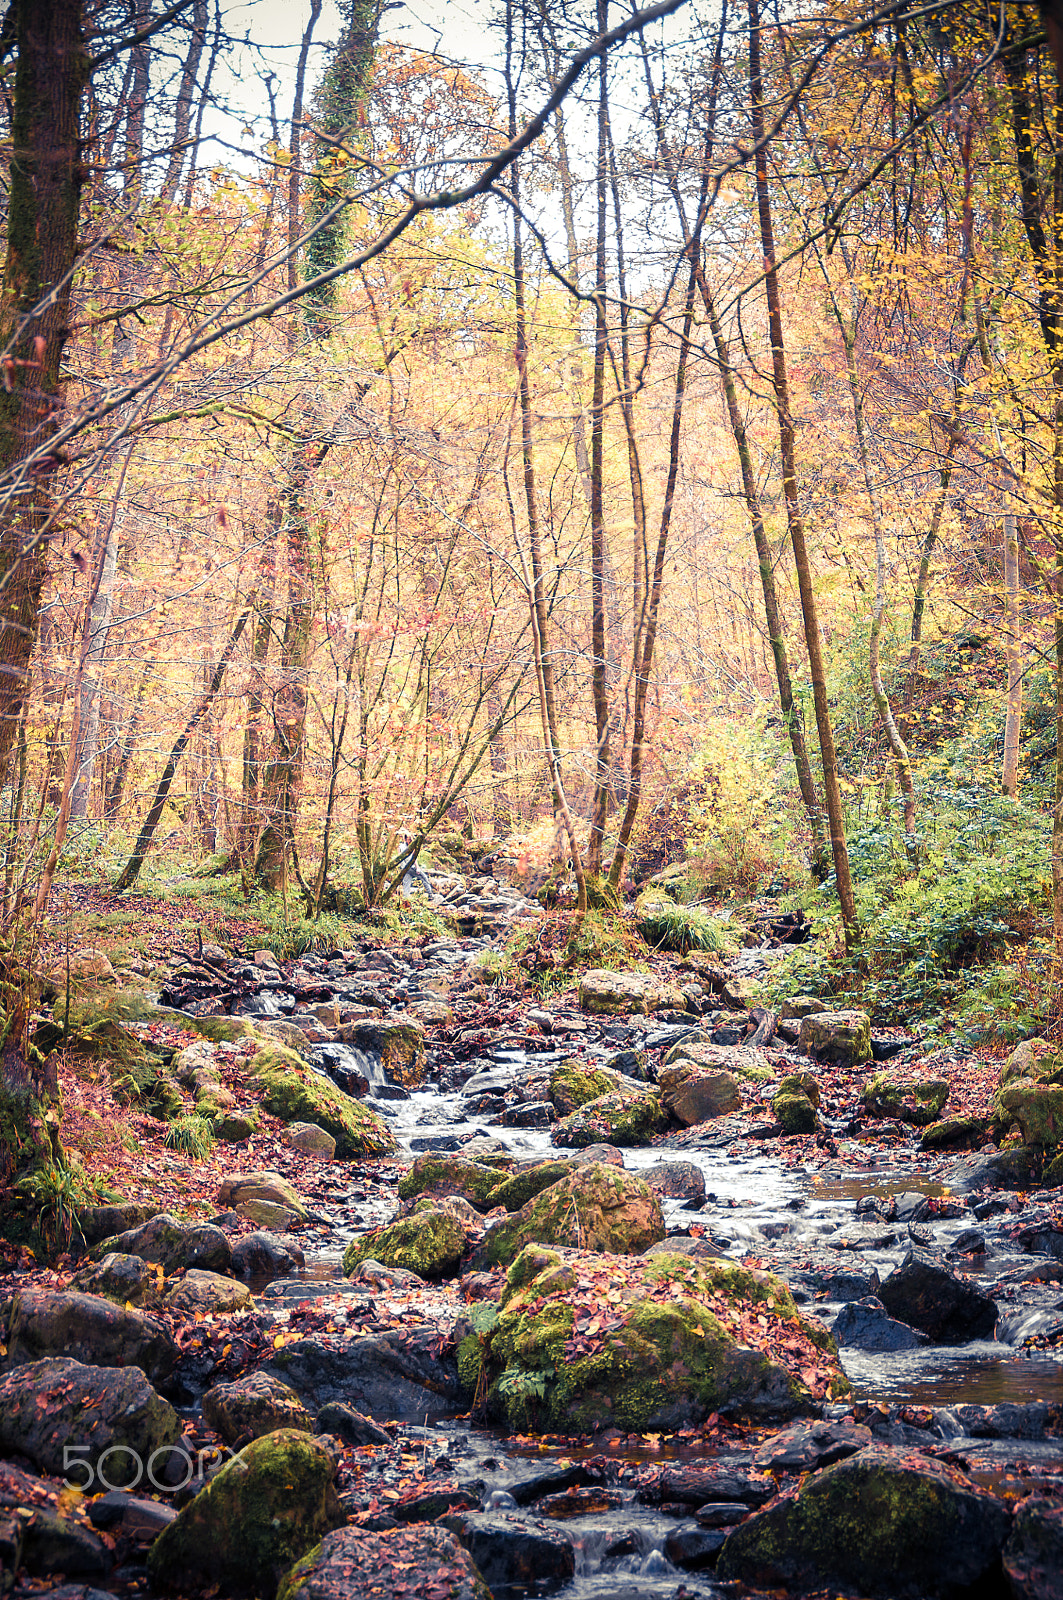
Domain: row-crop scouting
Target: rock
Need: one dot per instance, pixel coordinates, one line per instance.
(741, 1061)
(49, 1406)
(243, 1186)
(235, 1127)
(929, 1297)
(808, 1446)
(1003, 1169)
(263, 1256)
(1036, 1059)
(841, 1037)
(55, 1543)
(173, 1245)
(731, 1478)
(262, 1512)
(623, 993)
(693, 1548)
(431, 1242)
(516, 1189)
(293, 1091)
(697, 1094)
(794, 1112)
(915, 1100)
(677, 1180)
(84, 965)
(253, 1406)
(435, 1174)
(101, 1222)
(345, 1423)
(880, 1523)
(572, 1085)
(721, 1513)
(311, 1140)
(378, 1277)
(952, 1130)
(800, 1083)
(1036, 1107)
(125, 1279)
(268, 1215)
(529, 1114)
(508, 1550)
(88, 1329)
(285, 1033)
(398, 1374)
(801, 1005)
(865, 1324)
(592, 1208)
(626, 1117)
(128, 1516)
(353, 1564)
(398, 1041)
(207, 1293)
(674, 1343)
(1033, 1554)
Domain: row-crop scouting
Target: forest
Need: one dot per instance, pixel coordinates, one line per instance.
(531, 799)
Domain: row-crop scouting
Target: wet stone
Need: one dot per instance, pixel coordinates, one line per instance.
(866, 1325)
(808, 1446)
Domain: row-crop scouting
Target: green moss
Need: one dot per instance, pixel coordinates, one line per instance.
(626, 1117)
(434, 1174)
(914, 1100)
(800, 1083)
(953, 1130)
(795, 1113)
(573, 1085)
(428, 1242)
(294, 1092)
(515, 1191)
(1037, 1108)
(590, 1208)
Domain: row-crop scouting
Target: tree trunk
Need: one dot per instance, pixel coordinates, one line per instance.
(794, 515)
(1013, 650)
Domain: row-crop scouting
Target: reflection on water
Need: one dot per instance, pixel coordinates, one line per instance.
(983, 1373)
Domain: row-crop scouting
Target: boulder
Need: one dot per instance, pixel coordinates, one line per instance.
(253, 1406)
(88, 1329)
(1036, 1107)
(572, 1085)
(514, 1190)
(676, 1180)
(794, 1112)
(55, 1543)
(262, 1512)
(398, 1374)
(950, 1309)
(310, 1140)
(627, 1117)
(650, 1343)
(354, 1564)
(399, 1042)
(730, 1478)
(262, 1256)
(915, 1100)
(207, 1294)
(57, 1411)
(127, 1279)
(841, 1037)
(878, 1523)
(84, 965)
(808, 1446)
(512, 1552)
(435, 1174)
(1036, 1059)
(293, 1091)
(349, 1425)
(598, 1208)
(1033, 1554)
(694, 1094)
(866, 1325)
(101, 1222)
(430, 1241)
(741, 1061)
(268, 1214)
(173, 1245)
(244, 1186)
(625, 993)
(235, 1127)
(953, 1130)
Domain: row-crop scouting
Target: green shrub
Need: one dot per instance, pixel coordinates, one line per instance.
(668, 926)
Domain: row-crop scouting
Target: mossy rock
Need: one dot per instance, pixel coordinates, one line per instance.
(800, 1083)
(595, 1207)
(137, 1075)
(840, 1037)
(354, 1564)
(256, 1404)
(914, 1100)
(573, 1085)
(294, 1092)
(436, 1174)
(263, 1511)
(1033, 1058)
(1052, 1177)
(794, 1112)
(953, 1130)
(625, 1117)
(430, 1242)
(655, 1342)
(232, 1127)
(1037, 1107)
(515, 1191)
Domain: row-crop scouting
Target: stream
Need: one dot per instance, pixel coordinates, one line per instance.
(794, 1220)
